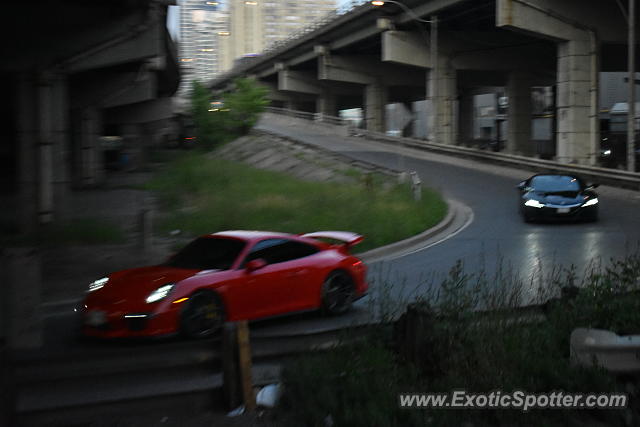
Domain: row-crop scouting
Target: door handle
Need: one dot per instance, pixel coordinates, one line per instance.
(297, 273)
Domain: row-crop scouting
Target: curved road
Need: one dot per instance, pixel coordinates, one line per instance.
(497, 233)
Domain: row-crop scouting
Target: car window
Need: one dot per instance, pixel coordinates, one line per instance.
(208, 253)
(548, 183)
(274, 251)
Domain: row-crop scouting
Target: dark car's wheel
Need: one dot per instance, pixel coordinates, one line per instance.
(202, 316)
(337, 293)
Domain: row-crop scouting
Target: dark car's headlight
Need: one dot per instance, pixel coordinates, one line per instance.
(160, 293)
(97, 284)
(590, 202)
(534, 203)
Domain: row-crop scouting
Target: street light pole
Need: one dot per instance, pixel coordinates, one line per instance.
(631, 110)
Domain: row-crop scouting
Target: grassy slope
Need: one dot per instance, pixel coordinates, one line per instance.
(203, 195)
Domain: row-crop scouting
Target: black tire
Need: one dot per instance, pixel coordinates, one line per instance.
(337, 293)
(202, 316)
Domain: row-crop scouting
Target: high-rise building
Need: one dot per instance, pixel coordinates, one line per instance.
(254, 25)
(202, 26)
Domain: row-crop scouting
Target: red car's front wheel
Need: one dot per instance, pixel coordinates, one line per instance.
(203, 315)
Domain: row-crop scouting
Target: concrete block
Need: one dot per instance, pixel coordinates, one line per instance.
(404, 47)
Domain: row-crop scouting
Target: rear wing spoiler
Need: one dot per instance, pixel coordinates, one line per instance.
(349, 238)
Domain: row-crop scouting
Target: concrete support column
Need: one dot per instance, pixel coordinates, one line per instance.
(578, 133)
(27, 137)
(45, 141)
(132, 144)
(61, 146)
(519, 114)
(465, 119)
(91, 168)
(326, 104)
(442, 123)
(577, 130)
(375, 99)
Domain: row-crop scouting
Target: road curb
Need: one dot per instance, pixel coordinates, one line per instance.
(454, 210)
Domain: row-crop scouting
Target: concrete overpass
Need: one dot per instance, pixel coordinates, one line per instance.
(373, 56)
(71, 72)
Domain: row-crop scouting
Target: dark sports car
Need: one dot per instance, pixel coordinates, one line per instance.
(557, 197)
(227, 276)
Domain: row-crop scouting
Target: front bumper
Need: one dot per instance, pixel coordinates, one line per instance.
(561, 213)
(103, 322)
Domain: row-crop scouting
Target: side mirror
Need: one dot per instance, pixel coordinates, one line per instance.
(521, 186)
(255, 264)
(593, 185)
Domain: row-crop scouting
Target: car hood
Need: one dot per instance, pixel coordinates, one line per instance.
(137, 283)
(559, 198)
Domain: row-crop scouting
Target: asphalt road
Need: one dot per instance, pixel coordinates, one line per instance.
(497, 236)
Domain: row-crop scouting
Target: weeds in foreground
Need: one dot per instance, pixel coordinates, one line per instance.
(466, 334)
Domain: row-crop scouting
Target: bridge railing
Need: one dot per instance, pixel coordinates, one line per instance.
(305, 115)
(615, 177)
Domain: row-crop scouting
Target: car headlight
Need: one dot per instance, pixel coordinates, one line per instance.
(590, 202)
(98, 284)
(534, 203)
(160, 293)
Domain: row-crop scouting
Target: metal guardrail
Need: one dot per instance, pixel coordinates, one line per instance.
(305, 115)
(614, 177)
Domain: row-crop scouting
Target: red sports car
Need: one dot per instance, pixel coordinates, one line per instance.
(227, 276)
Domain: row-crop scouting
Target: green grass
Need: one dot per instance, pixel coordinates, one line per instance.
(201, 195)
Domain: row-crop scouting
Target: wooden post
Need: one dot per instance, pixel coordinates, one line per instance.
(244, 359)
(230, 384)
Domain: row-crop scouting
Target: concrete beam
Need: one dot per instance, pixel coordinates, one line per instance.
(403, 47)
(142, 42)
(142, 112)
(365, 70)
(298, 81)
(332, 67)
(143, 87)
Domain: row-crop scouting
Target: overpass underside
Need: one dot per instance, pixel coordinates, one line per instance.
(543, 56)
(79, 71)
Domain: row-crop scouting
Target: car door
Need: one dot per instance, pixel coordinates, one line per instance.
(273, 289)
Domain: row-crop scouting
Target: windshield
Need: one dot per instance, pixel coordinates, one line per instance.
(207, 253)
(555, 183)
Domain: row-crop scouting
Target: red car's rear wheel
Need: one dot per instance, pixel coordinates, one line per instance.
(203, 315)
(337, 293)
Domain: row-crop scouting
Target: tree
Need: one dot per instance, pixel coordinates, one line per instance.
(236, 116)
(245, 104)
(210, 128)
